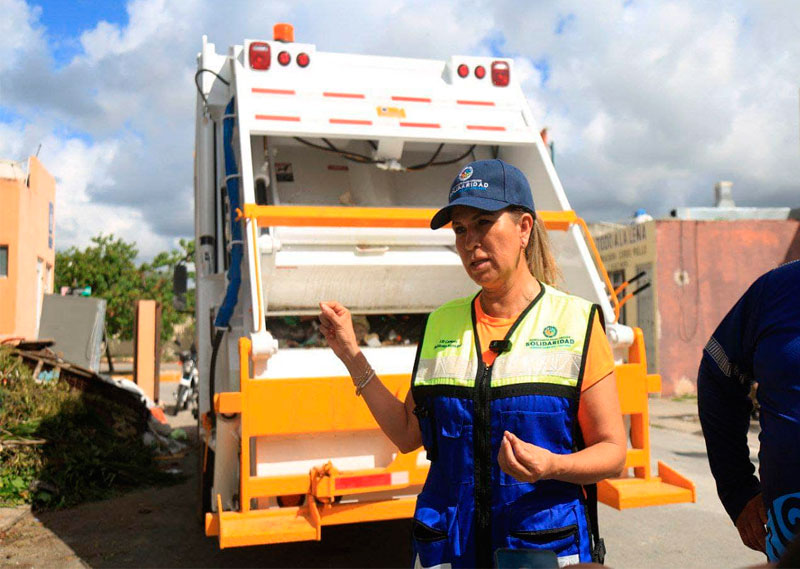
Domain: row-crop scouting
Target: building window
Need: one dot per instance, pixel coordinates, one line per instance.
(50, 227)
(3, 260)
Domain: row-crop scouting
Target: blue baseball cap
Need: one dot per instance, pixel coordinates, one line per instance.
(489, 185)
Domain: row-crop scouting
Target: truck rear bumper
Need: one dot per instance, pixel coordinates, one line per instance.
(304, 523)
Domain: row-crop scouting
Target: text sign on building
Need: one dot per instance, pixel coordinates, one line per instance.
(625, 243)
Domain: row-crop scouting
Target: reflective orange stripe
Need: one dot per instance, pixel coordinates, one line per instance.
(481, 103)
(344, 95)
(484, 127)
(349, 121)
(274, 91)
(421, 124)
(343, 483)
(412, 99)
(277, 118)
(400, 478)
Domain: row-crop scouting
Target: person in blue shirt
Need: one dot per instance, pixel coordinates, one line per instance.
(758, 341)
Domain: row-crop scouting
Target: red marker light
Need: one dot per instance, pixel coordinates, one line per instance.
(258, 55)
(303, 60)
(462, 70)
(480, 72)
(500, 73)
(284, 58)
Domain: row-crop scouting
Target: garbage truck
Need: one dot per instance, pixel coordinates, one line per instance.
(315, 178)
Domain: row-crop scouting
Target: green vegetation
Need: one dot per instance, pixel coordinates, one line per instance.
(108, 266)
(685, 397)
(60, 447)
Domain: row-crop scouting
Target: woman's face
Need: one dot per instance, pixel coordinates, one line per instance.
(490, 243)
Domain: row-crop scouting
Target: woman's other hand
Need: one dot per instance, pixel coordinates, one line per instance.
(336, 325)
(600, 419)
(524, 461)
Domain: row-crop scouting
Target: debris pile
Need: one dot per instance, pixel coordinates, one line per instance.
(67, 439)
(371, 330)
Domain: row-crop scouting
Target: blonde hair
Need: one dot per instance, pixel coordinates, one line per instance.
(538, 253)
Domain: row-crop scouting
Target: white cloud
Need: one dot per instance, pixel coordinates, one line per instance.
(648, 103)
(19, 33)
(656, 101)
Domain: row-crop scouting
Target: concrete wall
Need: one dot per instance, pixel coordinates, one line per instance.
(9, 232)
(27, 226)
(702, 268)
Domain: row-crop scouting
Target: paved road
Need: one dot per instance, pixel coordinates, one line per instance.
(681, 535)
(157, 527)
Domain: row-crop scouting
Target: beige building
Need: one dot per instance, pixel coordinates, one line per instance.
(629, 251)
(27, 245)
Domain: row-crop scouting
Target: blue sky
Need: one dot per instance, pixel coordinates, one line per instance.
(648, 103)
(66, 20)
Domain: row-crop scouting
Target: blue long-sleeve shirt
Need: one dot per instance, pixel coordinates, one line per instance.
(759, 340)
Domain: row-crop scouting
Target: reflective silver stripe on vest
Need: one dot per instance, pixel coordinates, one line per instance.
(447, 370)
(562, 368)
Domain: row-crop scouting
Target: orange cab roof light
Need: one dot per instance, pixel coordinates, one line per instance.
(283, 33)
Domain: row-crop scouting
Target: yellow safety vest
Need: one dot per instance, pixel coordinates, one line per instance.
(469, 507)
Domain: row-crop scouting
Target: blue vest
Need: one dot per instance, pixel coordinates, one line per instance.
(469, 507)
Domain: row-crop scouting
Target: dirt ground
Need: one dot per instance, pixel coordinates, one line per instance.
(159, 527)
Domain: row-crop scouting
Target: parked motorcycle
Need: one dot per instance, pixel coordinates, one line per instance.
(186, 395)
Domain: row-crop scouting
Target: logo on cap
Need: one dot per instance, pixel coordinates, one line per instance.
(465, 174)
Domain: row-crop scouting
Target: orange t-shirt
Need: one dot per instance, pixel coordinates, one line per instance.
(599, 359)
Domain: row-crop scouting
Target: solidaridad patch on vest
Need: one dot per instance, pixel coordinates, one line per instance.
(550, 340)
(443, 344)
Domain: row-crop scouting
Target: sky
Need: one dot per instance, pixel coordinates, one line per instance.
(649, 103)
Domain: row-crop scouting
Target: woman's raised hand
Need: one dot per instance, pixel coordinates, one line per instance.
(336, 325)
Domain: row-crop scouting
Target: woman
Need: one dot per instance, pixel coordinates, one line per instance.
(496, 389)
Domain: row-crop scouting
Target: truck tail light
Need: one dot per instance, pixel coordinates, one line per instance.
(303, 60)
(462, 70)
(500, 73)
(284, 58)
(259, 55)
(480, 72)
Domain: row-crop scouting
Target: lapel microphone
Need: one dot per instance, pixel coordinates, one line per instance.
(500, 346)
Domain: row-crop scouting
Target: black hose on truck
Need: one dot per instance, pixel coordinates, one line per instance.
(215, 343)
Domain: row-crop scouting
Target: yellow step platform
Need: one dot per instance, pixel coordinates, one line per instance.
(669, 487)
